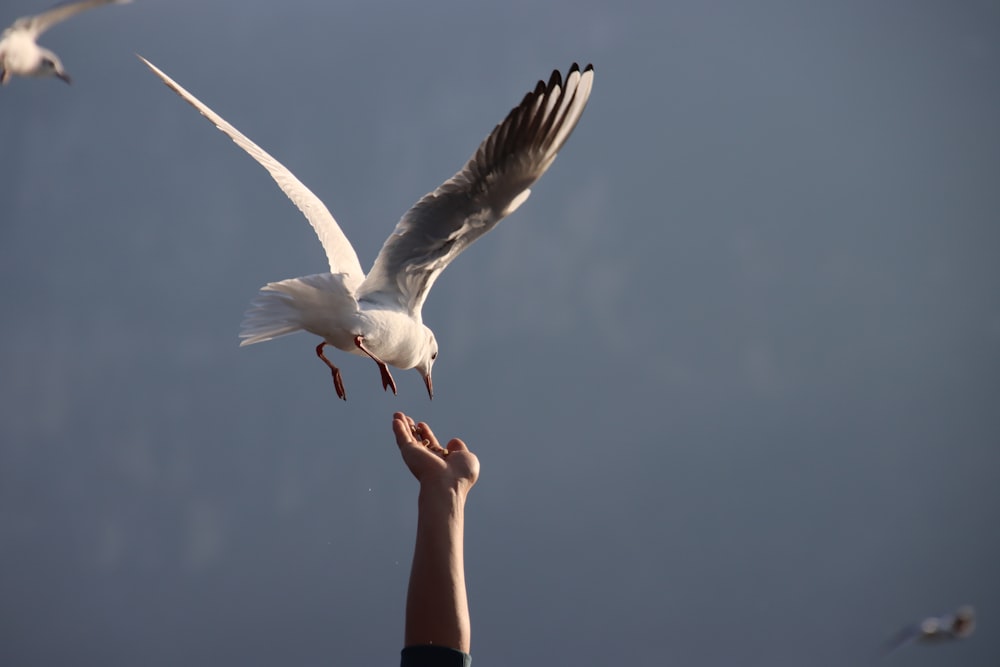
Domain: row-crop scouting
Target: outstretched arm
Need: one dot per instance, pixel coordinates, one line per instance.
(437, 610)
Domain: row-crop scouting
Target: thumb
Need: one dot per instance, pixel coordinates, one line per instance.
(456, 445)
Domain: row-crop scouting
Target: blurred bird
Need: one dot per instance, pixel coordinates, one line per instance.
(934, 629)
(20, 54)
(379, 315)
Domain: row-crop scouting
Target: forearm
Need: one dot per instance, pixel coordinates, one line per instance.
(437, 610)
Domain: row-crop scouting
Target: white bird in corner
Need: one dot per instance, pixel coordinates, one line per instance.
(935, 629)
(378, 315)
(19, 51)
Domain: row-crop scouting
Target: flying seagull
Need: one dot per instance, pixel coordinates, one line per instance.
(378, 314)
(19, 51)
(935, 629)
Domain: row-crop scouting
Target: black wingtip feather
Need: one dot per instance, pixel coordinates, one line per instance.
(555, 79)
(532, 119)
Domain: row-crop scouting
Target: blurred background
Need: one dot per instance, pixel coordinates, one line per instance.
(733, 372)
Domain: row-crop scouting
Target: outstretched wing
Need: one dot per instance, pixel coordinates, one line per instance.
(492, 184)
(905, 636)
(39, 23)
(339, 251)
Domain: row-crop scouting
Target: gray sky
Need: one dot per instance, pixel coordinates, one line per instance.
(733, 372)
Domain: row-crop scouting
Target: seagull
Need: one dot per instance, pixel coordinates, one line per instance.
(934, 629)
(21, 55)
(378, 314)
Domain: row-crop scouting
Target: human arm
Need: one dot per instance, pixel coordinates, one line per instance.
(437, 610)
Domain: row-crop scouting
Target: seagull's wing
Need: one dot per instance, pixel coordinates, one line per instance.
(905, 636)
(492, 184)
(39, 23)
(339, 251)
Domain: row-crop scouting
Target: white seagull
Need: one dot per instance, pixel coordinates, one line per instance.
(19, 52)
(378, 315)
(934, 629)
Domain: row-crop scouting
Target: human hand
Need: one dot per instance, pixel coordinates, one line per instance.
(453, 467)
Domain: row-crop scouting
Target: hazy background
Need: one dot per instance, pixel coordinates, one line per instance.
(733, 372)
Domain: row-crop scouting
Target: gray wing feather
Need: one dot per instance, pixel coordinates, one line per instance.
(491, 185)
(39, 23)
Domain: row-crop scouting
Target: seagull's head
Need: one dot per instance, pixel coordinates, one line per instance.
(425, 364)
(965, 621)
(50, 65)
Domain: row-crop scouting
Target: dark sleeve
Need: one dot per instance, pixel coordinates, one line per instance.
(434, 656)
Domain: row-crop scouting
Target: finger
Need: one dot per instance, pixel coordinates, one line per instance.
(407, 421)
(402, 432)
(425, 432)
(456, 445)
(412, 426)
(433, 447)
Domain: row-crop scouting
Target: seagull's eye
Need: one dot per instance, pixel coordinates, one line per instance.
(48, 63)
(434, 356)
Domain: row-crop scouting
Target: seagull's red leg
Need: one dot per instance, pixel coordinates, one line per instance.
(387, 380)
(338, 384)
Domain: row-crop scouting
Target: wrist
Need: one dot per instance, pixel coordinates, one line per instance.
(451, 493)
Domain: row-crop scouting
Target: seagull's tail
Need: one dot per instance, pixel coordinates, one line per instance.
(296, 304)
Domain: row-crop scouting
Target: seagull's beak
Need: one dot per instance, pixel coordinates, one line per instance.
(64, 76)
(430, 385)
